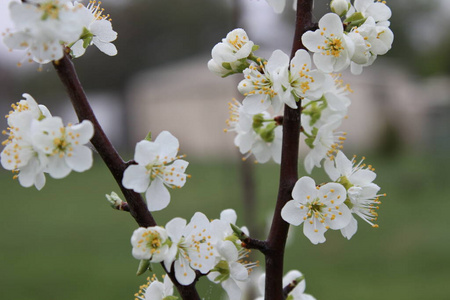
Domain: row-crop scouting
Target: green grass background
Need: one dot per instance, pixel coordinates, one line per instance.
(64, 242)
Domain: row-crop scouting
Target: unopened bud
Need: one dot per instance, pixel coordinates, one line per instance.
(340, 7)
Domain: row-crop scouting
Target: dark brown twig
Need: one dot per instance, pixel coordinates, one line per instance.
(137, 206)
(288, 171)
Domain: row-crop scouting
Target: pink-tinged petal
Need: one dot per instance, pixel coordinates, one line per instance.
(255, 104)
(80, 159)
(232, 289)
(168, 143)
(107, 48)
(183, 272)
(314, 232)
(157, 195)
(57, 167)
(294, 213)
(304, 187)
(349, 230)
(136, 178)
(342, 217)
(146, 152)
(332, 24)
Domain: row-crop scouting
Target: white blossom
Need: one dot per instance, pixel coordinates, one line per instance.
(156, 290)
(192, 247)
(362, 193)
(150, 243)
(42, 26)
(97, 30)
(63, 145)
(157, 166)
(318, 208)
(264, 82)
(332, 48)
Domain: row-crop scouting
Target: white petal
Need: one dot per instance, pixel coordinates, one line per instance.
(232, 289)
(57, 167)
(107, 48)
(136, 178)
(228, 215)
(293, 213)
(157, 195)
(146, 152)
(349, 230)
(81, 159)
(303, 188)
(168, 143)
(238, 271)
(184, 274)
(314, 232)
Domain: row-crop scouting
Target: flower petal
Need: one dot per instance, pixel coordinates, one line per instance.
(157, 195)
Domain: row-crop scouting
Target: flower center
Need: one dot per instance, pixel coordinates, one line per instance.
(49, 9)
(334, 47)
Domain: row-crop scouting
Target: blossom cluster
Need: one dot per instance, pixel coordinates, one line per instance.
(39, 143)
(43, 27)
(332, 205)
(208, 247)
(350, 37)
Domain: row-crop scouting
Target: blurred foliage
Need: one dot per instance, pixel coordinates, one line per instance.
(65, 242)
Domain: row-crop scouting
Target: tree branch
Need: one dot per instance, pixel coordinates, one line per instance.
(137, 206)
(276, 240)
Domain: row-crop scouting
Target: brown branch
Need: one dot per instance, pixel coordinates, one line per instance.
(137, 206)
(288, 171)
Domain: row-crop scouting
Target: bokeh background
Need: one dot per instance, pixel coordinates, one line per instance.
(64, 242)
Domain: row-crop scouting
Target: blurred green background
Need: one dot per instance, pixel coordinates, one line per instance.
(64, 242)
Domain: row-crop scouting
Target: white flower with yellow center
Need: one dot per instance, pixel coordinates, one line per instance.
(42, 26)
(97, 30)
(20, 155)
(192, 247)
(332, 48)
(63, 145)
(156, 290)
(304, 81)
(264, 82)
(318, 208)
(362, 193)
(150, 243)
(157, 166)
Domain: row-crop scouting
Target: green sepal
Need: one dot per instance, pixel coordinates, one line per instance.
(239, 233)
(226, 65)
(148, 137)
(255, 47)
(355, 20)
(223, 268)
(144, 265)
(170, 298)
(258, 122)
(87, 37)
(268, 133)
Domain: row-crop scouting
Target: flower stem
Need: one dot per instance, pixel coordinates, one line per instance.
(137, 206)
(276, 240)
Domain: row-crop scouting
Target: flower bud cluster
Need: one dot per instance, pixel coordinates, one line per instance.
(39, 143)
(42, 26)
(208, 247)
